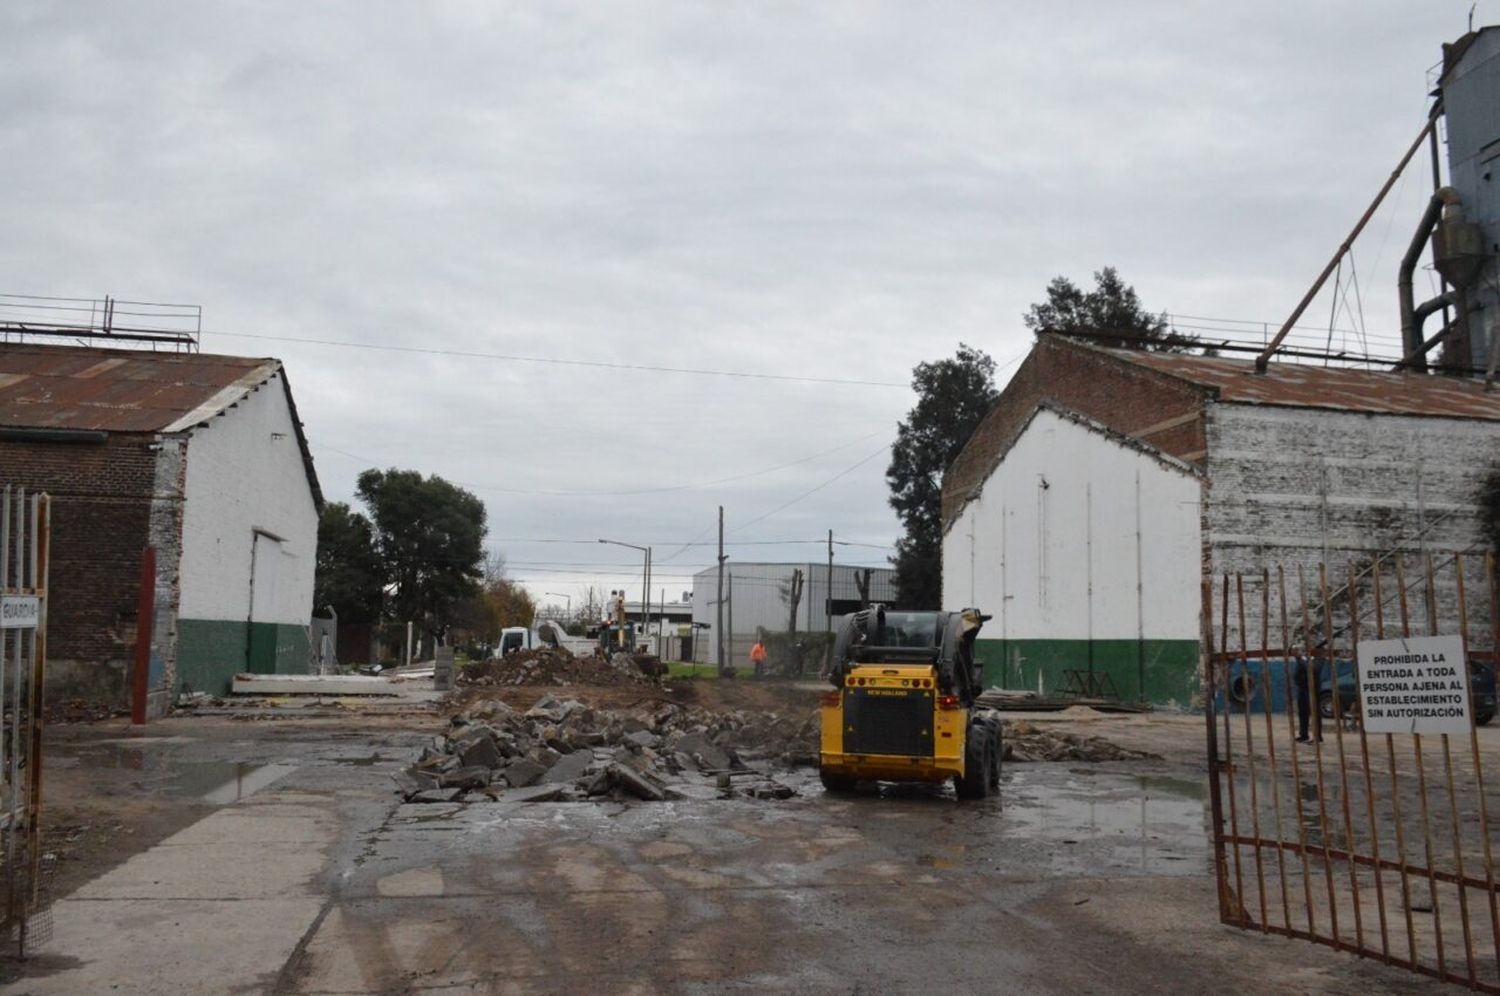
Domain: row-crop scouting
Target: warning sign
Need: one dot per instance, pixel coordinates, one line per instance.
(1417, 685)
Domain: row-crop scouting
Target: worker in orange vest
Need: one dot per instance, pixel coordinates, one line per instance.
(758, 657)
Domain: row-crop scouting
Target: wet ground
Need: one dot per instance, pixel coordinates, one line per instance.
(295, 869)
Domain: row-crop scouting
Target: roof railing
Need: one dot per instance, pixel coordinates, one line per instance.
(100, 321)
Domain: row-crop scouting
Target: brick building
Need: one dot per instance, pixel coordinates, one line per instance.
(1102, 485)
(201, 457)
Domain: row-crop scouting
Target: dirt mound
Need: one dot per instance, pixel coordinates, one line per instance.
(553, 666)
(1023, 741)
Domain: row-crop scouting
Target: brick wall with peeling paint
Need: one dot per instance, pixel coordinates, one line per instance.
(166, 535)
(1299, 487)
(101, 509)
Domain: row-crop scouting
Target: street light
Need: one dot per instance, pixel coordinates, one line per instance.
(561, 595)
(645, 578)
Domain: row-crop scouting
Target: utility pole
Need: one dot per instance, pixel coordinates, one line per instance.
(646, 594)
(793, 598)
(829, 604)
(719, 603)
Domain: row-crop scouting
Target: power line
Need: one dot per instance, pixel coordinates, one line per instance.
(847, 470)
(617, 494)
(766, 542)
(554, 361)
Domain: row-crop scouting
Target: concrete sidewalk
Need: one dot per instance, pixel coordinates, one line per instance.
(221, 904)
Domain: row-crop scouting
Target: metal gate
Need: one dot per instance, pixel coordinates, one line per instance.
(1376, 844)
(25, 903)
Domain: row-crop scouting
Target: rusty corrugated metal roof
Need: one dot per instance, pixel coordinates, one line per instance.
(1341, 388)
(119, 390)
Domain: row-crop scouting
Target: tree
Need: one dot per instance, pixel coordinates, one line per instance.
(495, 604)
(953, 395)
(1110, 315)
(429, 535)
(349, 573)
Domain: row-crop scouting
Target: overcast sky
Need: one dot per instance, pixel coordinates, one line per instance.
(394, 198)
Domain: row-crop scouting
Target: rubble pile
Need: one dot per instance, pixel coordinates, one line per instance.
(563, 750)
(1023, 741)
(554, 666)
(79, 711)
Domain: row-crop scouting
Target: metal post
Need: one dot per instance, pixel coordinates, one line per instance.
(828, 605)
(719, 604)
(1140, 599)
(731, 613)
(1364, 219)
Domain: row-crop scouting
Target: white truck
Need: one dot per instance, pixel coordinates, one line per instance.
(545, 634)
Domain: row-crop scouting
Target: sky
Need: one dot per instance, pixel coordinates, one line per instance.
(611, 266)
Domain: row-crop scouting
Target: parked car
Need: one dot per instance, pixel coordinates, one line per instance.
(1481, 691)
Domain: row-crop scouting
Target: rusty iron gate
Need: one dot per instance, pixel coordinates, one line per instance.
(25, 872)
(1375, 844)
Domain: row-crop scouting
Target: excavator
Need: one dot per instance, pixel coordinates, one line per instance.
(903, 705)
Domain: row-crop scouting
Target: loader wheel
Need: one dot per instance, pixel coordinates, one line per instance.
(836, 783)
(974, 783)
(996, 753)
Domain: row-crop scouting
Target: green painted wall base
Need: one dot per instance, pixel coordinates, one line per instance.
(1162, 672)
(210, 652)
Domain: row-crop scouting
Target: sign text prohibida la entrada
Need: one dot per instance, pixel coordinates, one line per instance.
(1416, 685)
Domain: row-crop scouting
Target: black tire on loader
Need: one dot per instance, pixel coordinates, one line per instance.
(836, 783)
(997, 748)
(974, 783)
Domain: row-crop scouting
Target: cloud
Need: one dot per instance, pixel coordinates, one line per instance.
(838, 190)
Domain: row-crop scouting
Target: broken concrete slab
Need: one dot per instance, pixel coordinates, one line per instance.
(413, 780)
(637, 783)
(311, 684)
(704, 752)
(535, 793)
(479, 751)
(570, 767)
(520, 773)
(643, 738)
(549, 708)
(467, 778)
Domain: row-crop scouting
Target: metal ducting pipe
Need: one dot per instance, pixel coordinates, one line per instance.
(1420, 314)
(1411, 336)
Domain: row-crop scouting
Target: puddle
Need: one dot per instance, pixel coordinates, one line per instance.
(163, 772)
(363, 762)
(1144, 823)
(246, 780)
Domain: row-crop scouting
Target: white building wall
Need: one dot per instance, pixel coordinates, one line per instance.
(1067, 527)
(759, 599)
(245, 473)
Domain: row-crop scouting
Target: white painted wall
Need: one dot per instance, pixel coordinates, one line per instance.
(1064, 530)
(245, 472)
